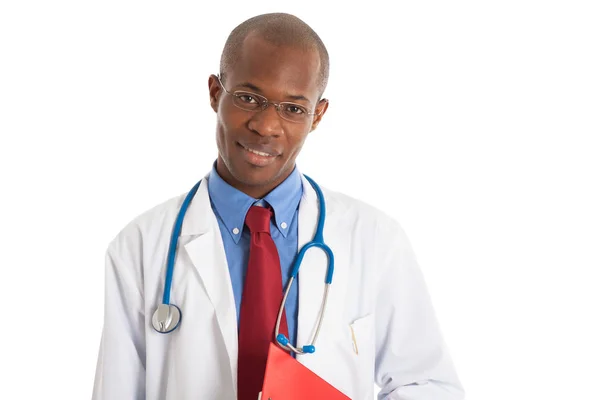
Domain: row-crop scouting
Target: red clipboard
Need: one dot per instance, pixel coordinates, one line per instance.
(287, 379)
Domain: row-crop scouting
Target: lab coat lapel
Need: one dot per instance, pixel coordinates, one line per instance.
(207, 253)
(313, 272)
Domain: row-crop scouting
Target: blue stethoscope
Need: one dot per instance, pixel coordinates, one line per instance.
(167, 317)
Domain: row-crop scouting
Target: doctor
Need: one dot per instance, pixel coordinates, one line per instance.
(242, 230)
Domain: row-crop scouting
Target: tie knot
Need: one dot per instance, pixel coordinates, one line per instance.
(258, 219)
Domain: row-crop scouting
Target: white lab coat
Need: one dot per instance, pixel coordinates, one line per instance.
(378, 293)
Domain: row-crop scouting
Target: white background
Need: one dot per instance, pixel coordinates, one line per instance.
(475, 123)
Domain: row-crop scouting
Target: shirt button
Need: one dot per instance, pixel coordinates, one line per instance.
(236, 231)
(283, 225)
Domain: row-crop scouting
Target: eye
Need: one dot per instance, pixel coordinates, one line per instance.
(295, 109)
(247, 98)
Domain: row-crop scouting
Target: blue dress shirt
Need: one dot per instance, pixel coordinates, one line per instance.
(231, 205)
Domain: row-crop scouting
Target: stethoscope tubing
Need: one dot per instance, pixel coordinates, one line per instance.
(173, 243)
(167, 313)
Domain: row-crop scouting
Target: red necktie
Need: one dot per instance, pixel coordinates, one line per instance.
(261, 299)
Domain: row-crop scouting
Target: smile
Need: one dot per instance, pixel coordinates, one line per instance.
(260, 153)
(258, 158)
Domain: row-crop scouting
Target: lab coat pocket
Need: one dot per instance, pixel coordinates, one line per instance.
(362, 335)
(362, 332)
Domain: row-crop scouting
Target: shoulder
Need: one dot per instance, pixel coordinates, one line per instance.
(147, 227)
(355, 211)
(370, 230)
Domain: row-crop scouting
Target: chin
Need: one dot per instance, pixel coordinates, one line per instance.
(259, 176)
(256, 176)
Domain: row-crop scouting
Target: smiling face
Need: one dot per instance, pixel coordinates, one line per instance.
(258, 149)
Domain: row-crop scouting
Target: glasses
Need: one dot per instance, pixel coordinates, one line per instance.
(249, 101)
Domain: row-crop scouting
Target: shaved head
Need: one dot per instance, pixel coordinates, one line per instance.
(279, 29)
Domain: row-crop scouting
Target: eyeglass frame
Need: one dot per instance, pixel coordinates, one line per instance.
(265, 104)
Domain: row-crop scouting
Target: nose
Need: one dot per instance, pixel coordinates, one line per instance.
(266, 122)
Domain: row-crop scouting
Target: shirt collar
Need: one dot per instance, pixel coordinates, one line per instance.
(231, 205)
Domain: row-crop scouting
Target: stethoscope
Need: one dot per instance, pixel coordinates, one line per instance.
(167, 316)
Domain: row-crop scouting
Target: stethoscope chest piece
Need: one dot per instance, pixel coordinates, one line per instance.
(166, 318)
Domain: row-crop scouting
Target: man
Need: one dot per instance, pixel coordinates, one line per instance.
(379, 325)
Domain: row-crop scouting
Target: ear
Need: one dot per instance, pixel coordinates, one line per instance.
(214, 91)
(319, 112)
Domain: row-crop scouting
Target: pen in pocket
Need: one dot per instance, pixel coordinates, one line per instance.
(354, 340)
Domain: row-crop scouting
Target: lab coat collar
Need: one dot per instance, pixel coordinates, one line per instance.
(207, 253)
(199, 218)
(312, 273)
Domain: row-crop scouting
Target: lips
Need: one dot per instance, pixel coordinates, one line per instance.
(260, 149)
(258, 155)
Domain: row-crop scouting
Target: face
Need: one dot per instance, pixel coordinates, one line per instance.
(258, 149)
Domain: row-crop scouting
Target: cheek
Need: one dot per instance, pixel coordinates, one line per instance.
(231, 119)
(225, 142)
(221, 141)
(228, 123)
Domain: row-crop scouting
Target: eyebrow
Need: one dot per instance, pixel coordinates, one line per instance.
(257, 89)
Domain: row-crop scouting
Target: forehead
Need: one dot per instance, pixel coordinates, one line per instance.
(278, 70)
